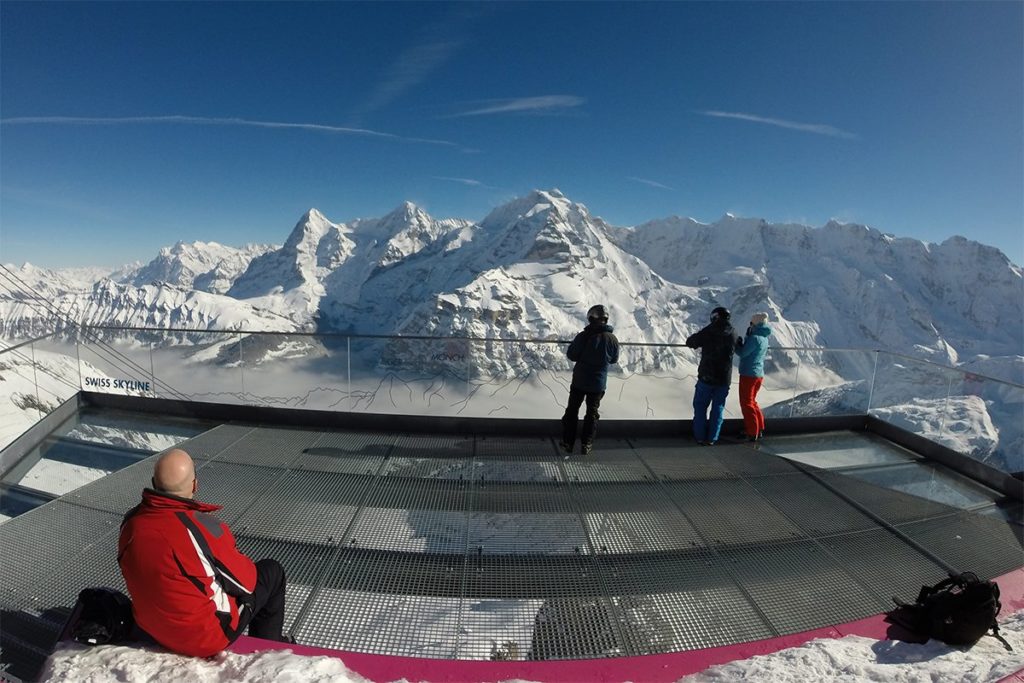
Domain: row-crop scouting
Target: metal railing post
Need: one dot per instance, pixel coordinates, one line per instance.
(241, 365)
(35, 381)
(469, 370)
(78, 358)
(945, 408)
(871, 388)
(796, 384)
(152, 374)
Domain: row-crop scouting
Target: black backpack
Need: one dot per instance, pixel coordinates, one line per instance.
(958, 610)
(101, 615)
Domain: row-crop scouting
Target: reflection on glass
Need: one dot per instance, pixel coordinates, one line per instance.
(829, 450)
(926, 481)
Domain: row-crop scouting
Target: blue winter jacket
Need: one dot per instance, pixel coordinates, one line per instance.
(754, 348)
(593, 350)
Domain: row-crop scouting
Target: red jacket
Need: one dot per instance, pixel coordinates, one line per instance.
(187, 579)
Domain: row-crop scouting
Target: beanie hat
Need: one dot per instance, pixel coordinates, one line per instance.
(758, 318)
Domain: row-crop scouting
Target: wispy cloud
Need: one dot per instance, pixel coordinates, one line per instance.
(437, 44)
(816, 128)
(465, 181)
(652, 183)
(211, 121)
(545, 104)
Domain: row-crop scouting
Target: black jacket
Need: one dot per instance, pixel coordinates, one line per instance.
(593, 350)
(717, 343)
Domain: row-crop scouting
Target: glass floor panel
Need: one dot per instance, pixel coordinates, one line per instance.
(929, 482)
(831, 450)
(871, 458)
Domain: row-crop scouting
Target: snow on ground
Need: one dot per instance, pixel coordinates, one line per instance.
(58, 477)
(28, 392)
(118, 664)
(848, 659)
(855, 658)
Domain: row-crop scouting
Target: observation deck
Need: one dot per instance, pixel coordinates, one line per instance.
(472, 538)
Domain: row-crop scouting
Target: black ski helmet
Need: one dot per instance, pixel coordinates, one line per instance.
(720, 313)
(598, 313)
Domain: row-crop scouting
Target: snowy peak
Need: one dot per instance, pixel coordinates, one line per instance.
(404, 232)
(308, 232)
(206, 266)
(543, 225)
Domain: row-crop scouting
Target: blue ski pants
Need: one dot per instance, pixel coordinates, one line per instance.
(708, 427)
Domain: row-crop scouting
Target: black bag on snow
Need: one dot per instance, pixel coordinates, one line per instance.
(958, 610)
(102, 615)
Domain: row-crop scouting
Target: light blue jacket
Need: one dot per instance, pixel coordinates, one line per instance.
(754, 348)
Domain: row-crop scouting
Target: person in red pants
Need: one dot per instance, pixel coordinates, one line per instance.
(752, 354)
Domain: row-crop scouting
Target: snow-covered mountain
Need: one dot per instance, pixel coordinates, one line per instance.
(533, 266)
(848, 285)
(205, 266)
(530, 270)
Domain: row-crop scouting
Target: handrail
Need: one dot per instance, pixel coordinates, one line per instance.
(303, 333)
(947, 367)
(26, 343)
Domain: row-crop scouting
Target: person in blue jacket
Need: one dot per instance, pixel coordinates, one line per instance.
(751, 354)
(717, 342)
(593, 350)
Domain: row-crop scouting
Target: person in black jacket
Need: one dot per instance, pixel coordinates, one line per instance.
(593, 350)
(717, 343)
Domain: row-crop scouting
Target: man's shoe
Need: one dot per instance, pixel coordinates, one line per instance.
(587, 448)
(707, 443)
(566, 447)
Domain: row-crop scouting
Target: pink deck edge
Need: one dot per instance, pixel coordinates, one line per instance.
(661, 668)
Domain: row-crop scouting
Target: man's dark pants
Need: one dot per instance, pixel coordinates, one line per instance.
(572, 413)
(265, 616)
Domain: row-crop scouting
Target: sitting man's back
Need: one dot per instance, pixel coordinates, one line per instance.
(191, 589)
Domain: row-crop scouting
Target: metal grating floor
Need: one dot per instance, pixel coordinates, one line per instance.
(481, 547)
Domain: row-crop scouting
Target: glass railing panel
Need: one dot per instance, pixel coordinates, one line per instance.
(656, 383)
(292, 370)
(816, 382)
(517, 379)
(408, 375)
(37, 376)
(975, 416)
(117, 362)
(196, 366)
(984, 418)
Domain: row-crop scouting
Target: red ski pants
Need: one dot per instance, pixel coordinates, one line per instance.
(753, 418)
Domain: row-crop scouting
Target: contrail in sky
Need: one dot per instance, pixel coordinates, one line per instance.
(817, 128)
(465, 181)
(210, 121)
(652, 183)
(545, 103)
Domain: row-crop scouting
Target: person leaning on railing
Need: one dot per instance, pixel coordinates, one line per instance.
(717, 342)
(191, 588)
(593, 350)
(751, 354)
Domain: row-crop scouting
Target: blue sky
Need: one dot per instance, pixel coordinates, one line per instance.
(126, 127)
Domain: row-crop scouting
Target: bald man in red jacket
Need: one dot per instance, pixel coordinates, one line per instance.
(191, 588)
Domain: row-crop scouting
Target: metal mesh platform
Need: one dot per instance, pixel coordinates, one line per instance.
(496, 547)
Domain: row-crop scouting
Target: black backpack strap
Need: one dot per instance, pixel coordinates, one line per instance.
(997, 636)
(927, 591)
